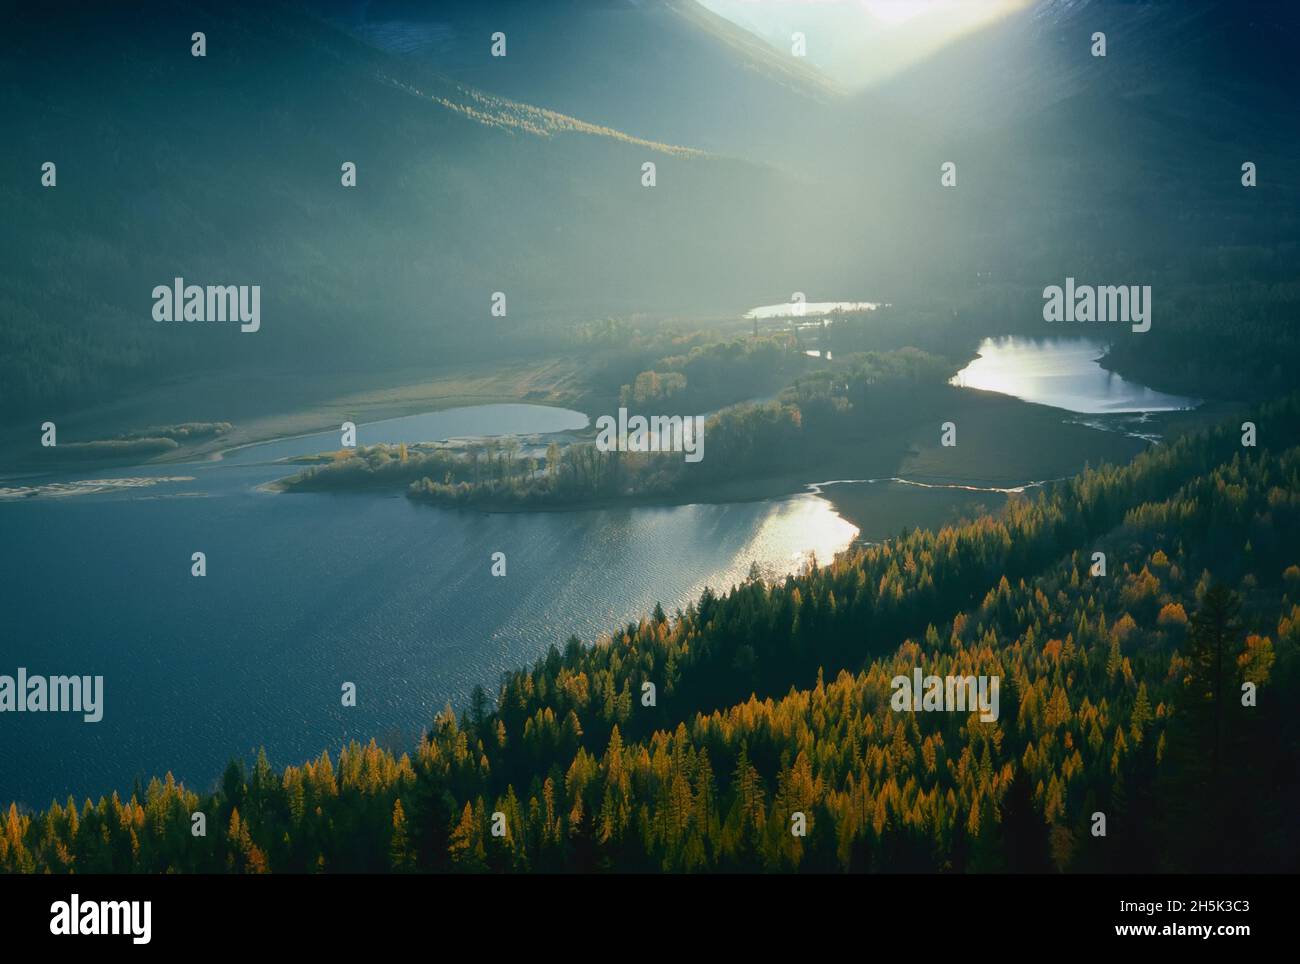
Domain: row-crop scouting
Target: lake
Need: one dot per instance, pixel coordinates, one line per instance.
(1064, 373)
(306, 591)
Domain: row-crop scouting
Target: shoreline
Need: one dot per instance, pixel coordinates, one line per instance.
(269, 407)
(905, 481)
(957, 478)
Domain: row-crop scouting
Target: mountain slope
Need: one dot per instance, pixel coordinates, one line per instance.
(663, 69)
(226, 170)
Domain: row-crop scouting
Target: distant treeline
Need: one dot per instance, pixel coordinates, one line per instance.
(1122, 696)
(141, 444)
(183, 431)
(1231, 340)
(711, 374)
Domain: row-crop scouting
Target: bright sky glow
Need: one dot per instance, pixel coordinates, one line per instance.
(897, 11)
(857, 43)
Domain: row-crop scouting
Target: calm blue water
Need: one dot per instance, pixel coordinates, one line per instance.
(307, 591)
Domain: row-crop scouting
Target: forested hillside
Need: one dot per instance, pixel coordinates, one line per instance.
(1121, 696)
(226, 169)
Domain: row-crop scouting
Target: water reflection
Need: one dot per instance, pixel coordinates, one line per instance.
(1064, 373)
(467, 422)
(809, 309)
(304, 591)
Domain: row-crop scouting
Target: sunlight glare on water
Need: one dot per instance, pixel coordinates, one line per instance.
(1062, 372)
